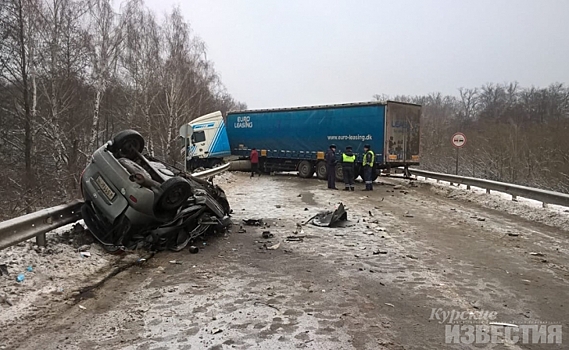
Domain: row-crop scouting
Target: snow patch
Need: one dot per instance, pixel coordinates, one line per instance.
(553, 215)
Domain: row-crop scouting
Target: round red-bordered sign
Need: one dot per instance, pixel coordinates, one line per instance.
(458, 140)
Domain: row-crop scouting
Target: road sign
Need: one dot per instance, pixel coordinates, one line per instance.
(458, 140)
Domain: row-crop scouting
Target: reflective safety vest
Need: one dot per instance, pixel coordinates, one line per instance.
(370, 163)
(348, 159)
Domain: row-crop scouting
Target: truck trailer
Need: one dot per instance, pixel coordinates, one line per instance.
(296, 139)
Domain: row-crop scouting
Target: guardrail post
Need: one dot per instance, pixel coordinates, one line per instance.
(514, 197)
(487, 191)
(467, 187)
(544, 205)
(41, 240)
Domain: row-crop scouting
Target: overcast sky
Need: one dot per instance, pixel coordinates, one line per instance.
(278, 53)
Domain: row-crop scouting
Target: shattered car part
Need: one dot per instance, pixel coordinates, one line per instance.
(330, 218)
(253, 222)
(133, 200)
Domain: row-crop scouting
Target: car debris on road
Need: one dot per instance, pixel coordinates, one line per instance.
(329, 218)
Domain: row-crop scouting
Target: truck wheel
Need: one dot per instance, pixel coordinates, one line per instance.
(339, 173)
(127, 143)
(175, 192)
(305, 169)
(357, 171)
(321, 171)
(374, 174)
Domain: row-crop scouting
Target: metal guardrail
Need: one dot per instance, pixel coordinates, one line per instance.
(36, 224)
(544, 196)
(212, 172)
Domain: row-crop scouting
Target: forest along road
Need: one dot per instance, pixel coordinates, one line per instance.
(329, 290)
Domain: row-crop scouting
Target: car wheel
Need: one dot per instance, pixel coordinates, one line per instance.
(127, 144)
(305, 169)
(321, 171)
(174, 193)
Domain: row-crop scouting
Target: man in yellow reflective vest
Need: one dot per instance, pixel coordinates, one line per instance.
(348, 160)
(368, 162)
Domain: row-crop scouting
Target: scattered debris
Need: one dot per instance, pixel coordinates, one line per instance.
(408, 215)
(267, 234)
(330, 218)
(4, 270)
(295, 238)
(253, 222)
(537, 254)
(370, 213)
(411, 257)
(278, 206)
(274, 247)
(216, 331)
(513, 234)
(389, 304)
(20, 277)
(85, 254)
(194, 250)
(82, 307)
(376, 252)
(177, 262)
(397, 187)
(299, 195)
(481, 219)
(269, 305)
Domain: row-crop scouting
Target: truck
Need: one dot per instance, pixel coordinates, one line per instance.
(296, 139)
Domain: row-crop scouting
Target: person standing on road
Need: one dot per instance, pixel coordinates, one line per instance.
(348, 159)
(254, 157)
(368, 162)
(331, 167)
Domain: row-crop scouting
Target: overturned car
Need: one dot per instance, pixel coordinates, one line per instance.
(133, 200)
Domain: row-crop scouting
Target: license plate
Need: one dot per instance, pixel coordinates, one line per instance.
(105, 188)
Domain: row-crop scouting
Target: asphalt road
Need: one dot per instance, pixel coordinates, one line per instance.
(405, 263)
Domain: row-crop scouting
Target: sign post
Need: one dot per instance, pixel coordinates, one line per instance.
(458, 141)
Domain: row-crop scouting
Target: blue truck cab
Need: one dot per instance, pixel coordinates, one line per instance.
(296, 139)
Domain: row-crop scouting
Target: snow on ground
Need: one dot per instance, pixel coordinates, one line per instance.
(57, 272)
(70, 261)
(553, 215)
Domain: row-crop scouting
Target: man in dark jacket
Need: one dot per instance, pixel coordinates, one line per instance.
(348, 161)
(254, 157)
(331, 167)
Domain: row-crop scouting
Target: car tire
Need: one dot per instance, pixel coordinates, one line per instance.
(127, 143)
(305, 169)
(321, 171)
(174, 192)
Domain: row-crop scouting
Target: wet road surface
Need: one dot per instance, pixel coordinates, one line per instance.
(383, 281)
